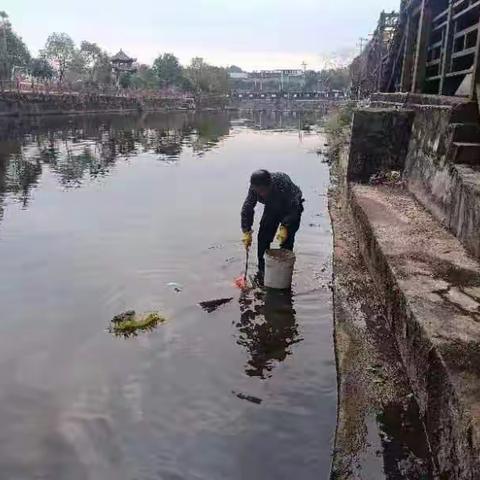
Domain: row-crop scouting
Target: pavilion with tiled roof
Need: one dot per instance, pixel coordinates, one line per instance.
(122, 63)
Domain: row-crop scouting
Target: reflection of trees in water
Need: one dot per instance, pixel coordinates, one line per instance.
(78, 147)
(17, 173)
(267, 329)
(207, 132)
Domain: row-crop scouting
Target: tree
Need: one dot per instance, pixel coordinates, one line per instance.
(196, 73)
(4, 24)
(91, 54)
(125, 80)
(13, 51)
(234, 69)
(40, 68)
(168, 70)
(59, 51)
(207, 78)
(145, 78)
(334, 79)
(77, 70)
(218, 80)
(340, 79)
(103, 70)
(311, 81)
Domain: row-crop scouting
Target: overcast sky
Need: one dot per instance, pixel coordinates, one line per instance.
(253, 34)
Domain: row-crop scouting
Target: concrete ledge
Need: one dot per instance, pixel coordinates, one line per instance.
(431, 288)
(455, 108)
(418, 99)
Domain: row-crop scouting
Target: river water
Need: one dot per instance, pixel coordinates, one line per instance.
(99, 215)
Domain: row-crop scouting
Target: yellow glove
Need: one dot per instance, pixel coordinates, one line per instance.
(247, 239)
(282, 234)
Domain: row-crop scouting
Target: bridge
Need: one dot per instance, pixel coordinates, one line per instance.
(326, 95)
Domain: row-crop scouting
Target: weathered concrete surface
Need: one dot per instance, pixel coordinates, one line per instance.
(464, 210)
(402, 99)
(427, 168)
(379, 432)
(379, 142)
(431, 289)
(442, 166)
(448, 189)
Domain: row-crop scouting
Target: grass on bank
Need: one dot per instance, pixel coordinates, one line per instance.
(339, 120)
(337, 127)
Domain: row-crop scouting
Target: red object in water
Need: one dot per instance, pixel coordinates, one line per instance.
(241, 282)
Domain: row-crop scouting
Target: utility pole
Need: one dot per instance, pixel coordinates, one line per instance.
(362, 41)
(304, 65)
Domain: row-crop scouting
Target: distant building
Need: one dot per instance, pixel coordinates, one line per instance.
(278, 80)
(273, 74)
(122, 63)
(239, 75)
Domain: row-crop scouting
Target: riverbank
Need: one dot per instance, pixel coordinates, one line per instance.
(34, 104)
(38, 104)
(420, 275)
(379, 432)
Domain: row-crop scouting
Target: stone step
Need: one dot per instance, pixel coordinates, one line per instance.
(465, 132)
(465, 113)
(431, 288)
(465, 153)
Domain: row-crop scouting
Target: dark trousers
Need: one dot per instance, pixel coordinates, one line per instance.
(266, 234)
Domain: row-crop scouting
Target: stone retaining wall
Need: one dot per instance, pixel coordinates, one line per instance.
(16, 104)
(379, 142)
(425, 270)
(283, 104)
(416, 134)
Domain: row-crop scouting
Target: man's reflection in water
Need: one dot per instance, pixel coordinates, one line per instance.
(267, 329)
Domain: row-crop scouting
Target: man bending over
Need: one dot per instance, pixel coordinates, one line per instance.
(283, 202)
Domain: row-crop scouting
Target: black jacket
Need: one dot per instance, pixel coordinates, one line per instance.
(284, 202)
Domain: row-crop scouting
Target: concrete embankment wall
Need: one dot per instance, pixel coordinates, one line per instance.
(422, 273)
(379, 142)
(283, 104)
(27, 104)
(438, 155)
(419, 236)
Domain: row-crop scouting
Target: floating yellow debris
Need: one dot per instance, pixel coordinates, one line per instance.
(129, 324)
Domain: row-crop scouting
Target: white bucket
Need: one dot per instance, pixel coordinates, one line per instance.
(279, 265)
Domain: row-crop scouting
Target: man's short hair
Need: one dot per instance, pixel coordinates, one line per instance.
(261, 178)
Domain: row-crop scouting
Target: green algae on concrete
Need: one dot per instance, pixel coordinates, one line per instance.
(129, 324)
